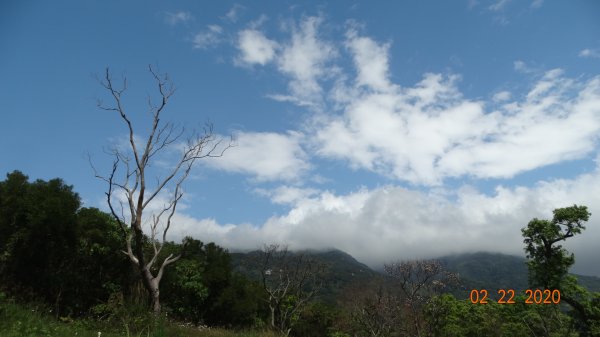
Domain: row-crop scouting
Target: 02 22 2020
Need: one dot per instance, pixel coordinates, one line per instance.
(533, 296)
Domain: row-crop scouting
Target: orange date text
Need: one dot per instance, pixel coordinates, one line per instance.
(533, 296)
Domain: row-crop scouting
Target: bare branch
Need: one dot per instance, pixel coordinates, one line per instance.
(129, 172)
(288, 276)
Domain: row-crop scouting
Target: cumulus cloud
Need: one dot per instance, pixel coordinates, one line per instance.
(423, 134)
(428, 132)
(266, 156)
(178, 17)
(371, 61)
(392, 222)
(304, 59)
(255, 48)
(208, 38)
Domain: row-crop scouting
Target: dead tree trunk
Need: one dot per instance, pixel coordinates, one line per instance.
(129, 192)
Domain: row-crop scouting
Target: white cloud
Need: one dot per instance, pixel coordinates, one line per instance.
(210, 37)
(421, 134)
(426, 133)
(304, 59)
(501, 96)
(371, 61)
(391, 222)
(589, 53)
(255, 48)
(178, 17)
(266, 156)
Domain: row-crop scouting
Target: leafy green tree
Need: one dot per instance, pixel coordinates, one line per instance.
(13, 212)
(52, 250)
(203, 288)
(240, 304)
(447, 316)
(317, 320)
(549, 263)
(39, 227)
(99, 268)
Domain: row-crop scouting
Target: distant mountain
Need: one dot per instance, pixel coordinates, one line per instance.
(343, 269)
(490, 271)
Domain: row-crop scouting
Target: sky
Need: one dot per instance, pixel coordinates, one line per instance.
(390, 130)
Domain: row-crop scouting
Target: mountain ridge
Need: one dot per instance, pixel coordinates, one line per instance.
(479, 270)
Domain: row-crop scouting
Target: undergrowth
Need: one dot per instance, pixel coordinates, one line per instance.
(34, 320)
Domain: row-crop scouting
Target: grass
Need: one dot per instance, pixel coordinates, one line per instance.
(33, 321)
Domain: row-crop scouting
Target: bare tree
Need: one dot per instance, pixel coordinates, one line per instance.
(418, 281)
(290, 282)
(375, 309)
(129, 189)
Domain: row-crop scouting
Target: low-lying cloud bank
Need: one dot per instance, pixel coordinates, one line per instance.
(422, 134)
(391, 222)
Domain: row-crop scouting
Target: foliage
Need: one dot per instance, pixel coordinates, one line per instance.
(33, 321)
(70, 258)
(549, 264)
(54, 251)
(99, 269)
(203, 289)
(38, 224)
(447, 316)
(240, 304)
(317, 320)
(67, 261)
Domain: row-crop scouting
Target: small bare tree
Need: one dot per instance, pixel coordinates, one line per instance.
(290, 282)
(418, 281)
(129, 192)
(375, 309)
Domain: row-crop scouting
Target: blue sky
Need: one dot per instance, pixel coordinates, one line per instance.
(389, 130)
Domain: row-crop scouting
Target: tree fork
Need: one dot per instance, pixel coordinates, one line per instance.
(133, 162)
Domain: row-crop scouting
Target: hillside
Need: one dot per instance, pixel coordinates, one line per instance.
(344, 269)
(480, 270)
(493, 271)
